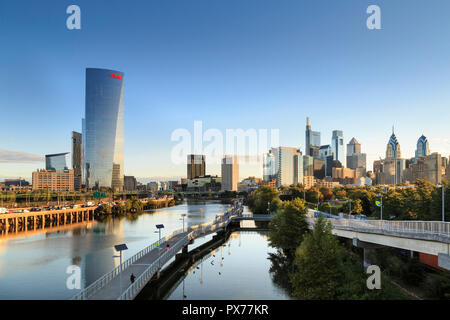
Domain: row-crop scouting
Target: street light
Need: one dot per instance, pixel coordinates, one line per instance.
(182, 218)
(380, 204)
(120, 248)
(159, 227)
(443, 200)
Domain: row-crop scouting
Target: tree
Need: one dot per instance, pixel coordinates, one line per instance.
(288, 225)
(317, 264)
(327, 194)
(357, 207)
(261, 198)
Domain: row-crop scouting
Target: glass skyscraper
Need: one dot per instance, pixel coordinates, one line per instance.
(337, 144)
(56, 162)
(103, 129)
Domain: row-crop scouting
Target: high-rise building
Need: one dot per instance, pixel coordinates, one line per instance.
(77, 158)
(337, 145)
(393, 147)
(129, 183)
(283, 165)
(353, 147)
(230, 173)
(269, 170)
(355, 159)
(308, 166)
(53, 180)
(104, 128)
(312, 140)
(426, 167)
(56, 162)
(196, 166)
(423, 148)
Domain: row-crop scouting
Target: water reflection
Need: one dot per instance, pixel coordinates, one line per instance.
(238, 269)
(34, 266)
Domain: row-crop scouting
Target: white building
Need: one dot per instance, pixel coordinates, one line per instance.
(230, 173)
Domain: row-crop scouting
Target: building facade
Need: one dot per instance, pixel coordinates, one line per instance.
(53, 180)
(103, 126)
(196, 166)
(230, 173)
(77, 158)
(56, 162)
(312, 140)
(426, 167)
(129, 183)
(337, 145)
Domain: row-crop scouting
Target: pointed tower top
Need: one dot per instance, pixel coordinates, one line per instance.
(307, 121)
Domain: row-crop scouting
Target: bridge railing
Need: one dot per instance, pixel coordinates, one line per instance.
(415, 227)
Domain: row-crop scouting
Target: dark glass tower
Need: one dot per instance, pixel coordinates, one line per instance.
(104, 129)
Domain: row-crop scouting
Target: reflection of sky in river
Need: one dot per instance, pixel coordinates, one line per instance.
(238, 270)
(33, 267)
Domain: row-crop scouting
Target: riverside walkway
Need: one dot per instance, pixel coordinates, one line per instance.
(148, 262)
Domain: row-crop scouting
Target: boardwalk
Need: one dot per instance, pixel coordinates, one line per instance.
(145, 264)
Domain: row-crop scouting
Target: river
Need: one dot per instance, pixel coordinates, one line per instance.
(34, 266)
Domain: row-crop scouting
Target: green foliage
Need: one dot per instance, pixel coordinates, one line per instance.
(103, 210)
(440, 285)
(288, 225)
(262, 198)
(317, 264)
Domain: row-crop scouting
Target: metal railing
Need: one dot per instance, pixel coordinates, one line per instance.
(434, 228)
(221, 221)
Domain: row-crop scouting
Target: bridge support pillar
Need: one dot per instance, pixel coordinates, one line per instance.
(185, 249)
(369, 251)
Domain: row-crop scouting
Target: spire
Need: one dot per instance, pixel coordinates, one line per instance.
(392, 129)
(307, 121)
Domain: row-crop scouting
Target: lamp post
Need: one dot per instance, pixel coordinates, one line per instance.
(443, 200)
(120, 248)
(268, 207)
(159, 227)
(182, 218)
(381, 206)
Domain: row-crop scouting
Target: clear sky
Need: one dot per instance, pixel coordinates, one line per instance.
(229, 63)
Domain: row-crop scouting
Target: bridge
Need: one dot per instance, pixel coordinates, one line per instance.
(43, 220)
(148, 262)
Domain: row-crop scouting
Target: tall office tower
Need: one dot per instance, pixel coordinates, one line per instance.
(286, 165)
(393, 147)
(104, 128)
(56, 162)
(269, 169)
(355, 159)
(298, 168)
(423, 148)
(83, 153)
(312, 140)
(230, 173)
(76, 158)
(196, 166)
(353, 147)
(308, 166)
(337, 144)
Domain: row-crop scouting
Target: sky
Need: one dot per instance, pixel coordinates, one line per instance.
(261, 64)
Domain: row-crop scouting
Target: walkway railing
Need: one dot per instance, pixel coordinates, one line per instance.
(418, 228)
(221, 221)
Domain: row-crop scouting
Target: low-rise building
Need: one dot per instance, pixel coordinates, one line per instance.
(53, 180)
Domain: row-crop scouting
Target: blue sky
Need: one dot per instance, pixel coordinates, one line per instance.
(230, 63)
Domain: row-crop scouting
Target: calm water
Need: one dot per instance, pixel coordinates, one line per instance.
(34, 267)
(243, 273)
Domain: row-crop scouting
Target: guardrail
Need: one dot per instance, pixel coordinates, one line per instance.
(221, 221)
(382, 226)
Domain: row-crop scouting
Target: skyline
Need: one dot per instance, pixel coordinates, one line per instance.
(272, 65)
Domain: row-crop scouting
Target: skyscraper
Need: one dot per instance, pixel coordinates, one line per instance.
(423, 148)
(393, 147)
(337, 145)
(269, 169)
(312, 140)
(76, 158)
(196, 166)
(56, 162)
(230, 173)
(355, 159)
(104, 128)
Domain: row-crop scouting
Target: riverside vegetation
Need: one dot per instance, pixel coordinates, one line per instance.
(315, 264)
